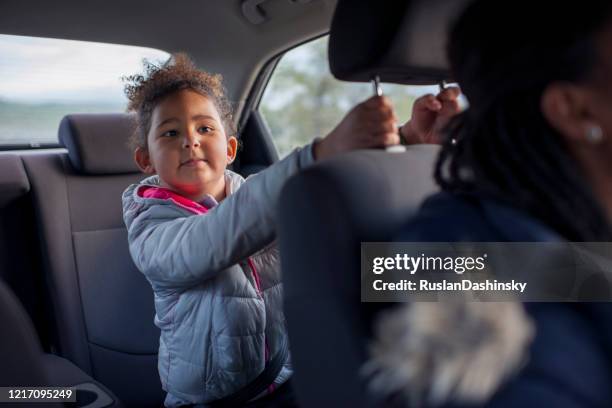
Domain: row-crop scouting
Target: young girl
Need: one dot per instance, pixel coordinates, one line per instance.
(203, 236)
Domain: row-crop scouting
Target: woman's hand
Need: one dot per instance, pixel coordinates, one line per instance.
(430, 114)
(371, 124)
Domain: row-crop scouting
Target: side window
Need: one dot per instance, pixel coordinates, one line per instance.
(43, 79)
(303, 100)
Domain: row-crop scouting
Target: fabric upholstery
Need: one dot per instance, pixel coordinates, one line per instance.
(13, 180)
(19, 263)
(19, 351)
(402, 42)
(103, 305)
(325, 213)
(23, 360)
(97, 143)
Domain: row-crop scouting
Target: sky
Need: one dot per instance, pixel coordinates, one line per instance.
(44, 70)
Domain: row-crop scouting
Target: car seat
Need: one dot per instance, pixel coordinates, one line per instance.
(103, 306)
(24, 364)
(328, 210)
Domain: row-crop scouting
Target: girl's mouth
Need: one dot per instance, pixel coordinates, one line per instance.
(193, 162)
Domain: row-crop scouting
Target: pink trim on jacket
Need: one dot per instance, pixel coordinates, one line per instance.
(166, 194)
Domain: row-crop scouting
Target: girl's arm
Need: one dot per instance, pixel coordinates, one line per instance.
(175, 251)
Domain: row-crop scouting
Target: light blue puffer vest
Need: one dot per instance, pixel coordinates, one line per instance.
(217, 328)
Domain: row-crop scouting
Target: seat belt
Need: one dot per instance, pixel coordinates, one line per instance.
(257, 386)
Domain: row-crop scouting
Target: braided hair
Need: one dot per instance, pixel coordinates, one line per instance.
(502, 146)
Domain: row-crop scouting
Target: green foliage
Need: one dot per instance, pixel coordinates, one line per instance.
(303, 100)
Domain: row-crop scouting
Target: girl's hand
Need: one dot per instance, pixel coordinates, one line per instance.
(430, 114)
(371, 124)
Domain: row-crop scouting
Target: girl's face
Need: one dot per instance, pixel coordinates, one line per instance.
(187, 146)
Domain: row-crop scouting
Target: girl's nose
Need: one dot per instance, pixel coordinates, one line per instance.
(191, 141)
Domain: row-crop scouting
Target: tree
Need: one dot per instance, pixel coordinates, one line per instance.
(303, 100)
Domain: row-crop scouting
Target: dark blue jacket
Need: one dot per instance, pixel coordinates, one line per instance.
(571, 357)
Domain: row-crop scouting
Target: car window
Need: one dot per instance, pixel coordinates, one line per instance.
(43, 79)
(303, 100)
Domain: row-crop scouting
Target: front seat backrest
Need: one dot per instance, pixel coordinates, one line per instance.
(325, 213)
(364, 196)
(102, 303)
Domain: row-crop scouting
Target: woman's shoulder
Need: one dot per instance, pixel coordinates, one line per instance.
(448, 217)
(445, 217)
(567, 342)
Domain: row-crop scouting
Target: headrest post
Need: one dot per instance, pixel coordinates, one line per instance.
(442, 84)
(378, 92)
(376, 84)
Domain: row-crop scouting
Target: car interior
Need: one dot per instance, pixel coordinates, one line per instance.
(77, 312)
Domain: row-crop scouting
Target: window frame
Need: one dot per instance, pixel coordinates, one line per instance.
(253, 100)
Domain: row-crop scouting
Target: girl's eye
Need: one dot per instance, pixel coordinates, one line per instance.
(205, 129)
(170, 133)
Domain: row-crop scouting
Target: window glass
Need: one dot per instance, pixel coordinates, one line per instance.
(43, 79)
(303, 100)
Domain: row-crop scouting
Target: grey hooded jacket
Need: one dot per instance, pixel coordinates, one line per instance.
(217, 327)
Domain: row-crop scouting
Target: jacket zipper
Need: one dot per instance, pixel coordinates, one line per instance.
(260, 294)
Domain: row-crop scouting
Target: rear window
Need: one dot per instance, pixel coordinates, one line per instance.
(42, 80)
(303, 100)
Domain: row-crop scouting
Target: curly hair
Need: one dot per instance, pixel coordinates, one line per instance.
(145, 91)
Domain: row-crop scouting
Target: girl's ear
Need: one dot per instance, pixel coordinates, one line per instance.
(232, 149)
(143, 160)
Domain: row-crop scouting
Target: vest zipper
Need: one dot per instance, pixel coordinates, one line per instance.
(260, 294)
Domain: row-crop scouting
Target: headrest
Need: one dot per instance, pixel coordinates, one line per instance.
(98, 143)
(403, 42)
(13, 179)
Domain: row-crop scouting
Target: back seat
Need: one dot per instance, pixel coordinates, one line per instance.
(25, 364)
(18, 262)
(23, 299)
(102, 305)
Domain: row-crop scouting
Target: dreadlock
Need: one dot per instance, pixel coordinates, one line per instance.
(502, 146)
